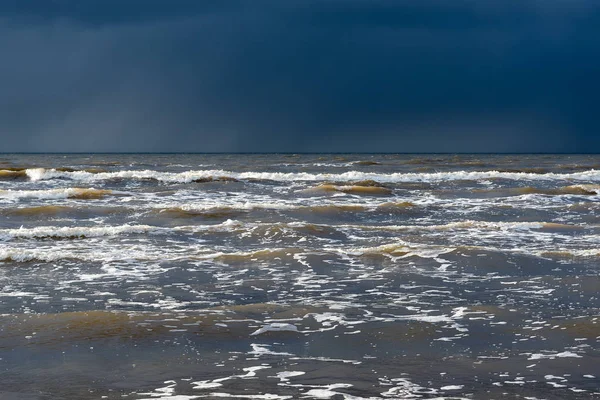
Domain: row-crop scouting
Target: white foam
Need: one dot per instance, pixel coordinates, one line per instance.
(564, 354)
(401, 250)
(263, 349)
(167, 393)
(206, 385)
(286, 375)
(38, 174)
(67, 232)
(275, 327)
(327, 392)
(267, 396)
(452, 387)
(25, 255)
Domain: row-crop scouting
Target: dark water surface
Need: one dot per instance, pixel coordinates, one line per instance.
(299, 276)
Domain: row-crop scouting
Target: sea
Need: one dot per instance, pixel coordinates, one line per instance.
(299, 276)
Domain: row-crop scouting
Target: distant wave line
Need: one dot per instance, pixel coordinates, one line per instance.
(39, 174)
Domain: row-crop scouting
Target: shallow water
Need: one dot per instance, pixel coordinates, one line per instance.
(299, 276)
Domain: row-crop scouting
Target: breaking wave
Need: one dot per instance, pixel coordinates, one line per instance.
(52, 232)
(38, 174)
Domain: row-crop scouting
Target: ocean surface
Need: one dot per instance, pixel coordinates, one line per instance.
(299, 276)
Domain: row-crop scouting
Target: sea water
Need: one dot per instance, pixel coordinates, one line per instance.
(264, 276)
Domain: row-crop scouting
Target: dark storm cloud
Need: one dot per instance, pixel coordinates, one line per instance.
(329, 75)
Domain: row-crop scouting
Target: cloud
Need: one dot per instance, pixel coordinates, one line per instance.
(329, 75)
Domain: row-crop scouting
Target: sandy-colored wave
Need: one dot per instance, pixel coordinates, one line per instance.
(37, 211)
(54, 210)
(573, 189)
(294, 229)
(16, 173)
(12, 174)
(570, 254)
(351, 189)
(68, 193)
(582, 190)
(88, 194)
(90, 170)
(396, 207)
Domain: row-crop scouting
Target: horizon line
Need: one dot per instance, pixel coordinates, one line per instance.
(289, 153)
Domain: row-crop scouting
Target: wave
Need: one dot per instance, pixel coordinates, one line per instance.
(335, 208)
(559, 254)
(54, 210)
(271, 230)
(400, 250)
(503, 226)
(584, 189)
(581, 189)
(37, 211)
(393, 207)
(12, 174)
(52, 194)
(30, 255)
(351, 189)
(38, 174)
(297, 230)
(51, 255)
(477, 225)
(366, 163)
(530, 170)
(569, 254)
(215, 179)
(52, 232)
(146, 260)
(227, 211)
(213, 212)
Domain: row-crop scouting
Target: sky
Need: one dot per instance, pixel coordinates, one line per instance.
(300, 76)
